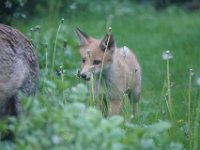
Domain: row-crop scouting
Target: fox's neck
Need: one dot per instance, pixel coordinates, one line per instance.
(106, 80)
(107, 74)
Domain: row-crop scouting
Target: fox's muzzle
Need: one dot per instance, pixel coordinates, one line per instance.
(85, 76)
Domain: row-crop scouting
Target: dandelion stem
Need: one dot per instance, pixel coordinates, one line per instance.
(55, 46)
(46, 56)
(92, 89)
(91, 96)
(46, 65)
(37, 31)
(189, 105)
(189, 94)
(101, 71)
(196, 127)
(169, 103)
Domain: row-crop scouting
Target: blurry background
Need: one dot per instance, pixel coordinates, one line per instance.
(12, 9)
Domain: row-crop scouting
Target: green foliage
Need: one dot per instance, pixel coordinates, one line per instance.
(71, 126)
(78, 93)
(48, 125)
(150, 137)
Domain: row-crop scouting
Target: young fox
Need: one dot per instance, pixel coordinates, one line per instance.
(118, 67)
(18, 69)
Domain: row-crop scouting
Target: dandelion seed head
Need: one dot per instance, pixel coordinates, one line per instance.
(37, 28)
(62, 20)
(31, 29)
(73, 6)
(125, 51)
(88, 50)
(60, 71)
(92, 69)
(88, 53)
(167, 55)
(132, 116)
(46, 45)
(180, 121)
(109, 30)
(191, 72)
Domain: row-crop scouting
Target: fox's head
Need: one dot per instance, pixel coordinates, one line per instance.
(95, 54)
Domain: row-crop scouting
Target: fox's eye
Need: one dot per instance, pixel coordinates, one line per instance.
(83, 60)
(96, 62)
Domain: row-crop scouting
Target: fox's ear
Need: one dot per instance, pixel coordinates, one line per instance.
(83, 38)
(108, 43)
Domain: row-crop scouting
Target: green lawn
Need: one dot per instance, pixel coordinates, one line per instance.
(148, 33)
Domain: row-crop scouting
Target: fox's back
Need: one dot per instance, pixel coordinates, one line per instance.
(125, 60)
(126, 71)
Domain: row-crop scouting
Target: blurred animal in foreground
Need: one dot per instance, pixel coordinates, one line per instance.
(18, 69)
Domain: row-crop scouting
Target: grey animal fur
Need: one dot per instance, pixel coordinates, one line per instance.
(18, 69)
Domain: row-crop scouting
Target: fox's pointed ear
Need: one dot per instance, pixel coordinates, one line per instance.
(108, 43)
(83, 38)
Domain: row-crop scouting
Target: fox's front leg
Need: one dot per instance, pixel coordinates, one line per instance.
(135, 108)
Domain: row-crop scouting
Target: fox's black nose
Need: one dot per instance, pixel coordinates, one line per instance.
(84, 76)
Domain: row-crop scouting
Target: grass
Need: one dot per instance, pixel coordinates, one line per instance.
(148, 33)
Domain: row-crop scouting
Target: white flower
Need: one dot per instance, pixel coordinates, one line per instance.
(167, 55)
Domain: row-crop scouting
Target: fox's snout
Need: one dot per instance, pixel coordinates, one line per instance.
(85, 76)
(88, 70)
(85, 72)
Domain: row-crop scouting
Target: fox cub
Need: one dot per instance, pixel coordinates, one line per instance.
(119, 69)
(18, 69)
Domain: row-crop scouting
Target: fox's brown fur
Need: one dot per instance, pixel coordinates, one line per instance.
(18, 69)
(121, 70)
